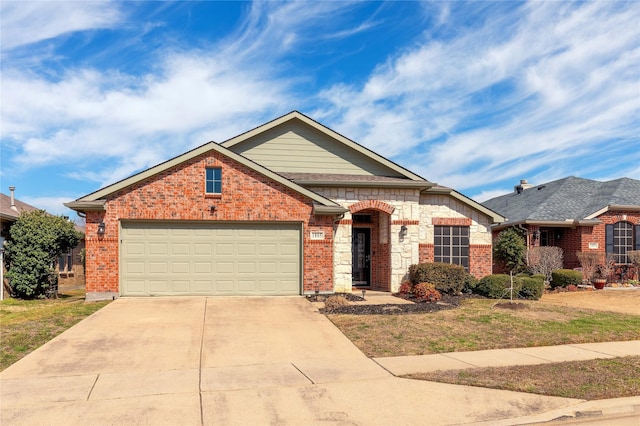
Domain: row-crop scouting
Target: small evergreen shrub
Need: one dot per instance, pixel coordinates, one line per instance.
(565, 277)
(540, 277)
(530, 288)
(497, 286)
(426, 292)
(447, 278)
(470, 284)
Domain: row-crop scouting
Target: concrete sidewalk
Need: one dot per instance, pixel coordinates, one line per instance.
(403, 365)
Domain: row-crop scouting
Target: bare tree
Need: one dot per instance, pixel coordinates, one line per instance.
(544, 260)
(589, 262)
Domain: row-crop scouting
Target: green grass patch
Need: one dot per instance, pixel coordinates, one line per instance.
(28, 324)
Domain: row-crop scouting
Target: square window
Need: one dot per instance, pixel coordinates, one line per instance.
(213, 180)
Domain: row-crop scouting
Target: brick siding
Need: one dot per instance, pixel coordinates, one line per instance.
(179, 194)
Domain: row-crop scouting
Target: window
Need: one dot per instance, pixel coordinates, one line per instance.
(214, 180)
(619, 241)
(65, 263)
(451, 245)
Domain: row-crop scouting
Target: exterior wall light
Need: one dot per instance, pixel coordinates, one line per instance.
(403, 231)
(101, 228)
(536, 235)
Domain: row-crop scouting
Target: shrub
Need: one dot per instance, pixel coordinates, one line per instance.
(496, 286)
(426, 292)
(36, 240)
(589, 263)
(530, 288)
(565, 277)
(335, 301)
(446, 277)
(544, 260)
(540, 277)
(470, 284)
(405, 288)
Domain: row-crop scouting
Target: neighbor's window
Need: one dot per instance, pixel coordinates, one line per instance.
(214, 180)
(451, 245)
(65, 261)
(619, 240)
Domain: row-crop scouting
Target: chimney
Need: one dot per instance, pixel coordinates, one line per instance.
(12, 190)
(518, 189)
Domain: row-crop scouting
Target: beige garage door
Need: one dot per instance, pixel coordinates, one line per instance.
(210, 259)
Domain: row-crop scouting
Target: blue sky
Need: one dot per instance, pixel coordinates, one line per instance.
(473, 95)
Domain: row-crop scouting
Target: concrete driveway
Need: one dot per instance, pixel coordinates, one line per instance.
(206, 361)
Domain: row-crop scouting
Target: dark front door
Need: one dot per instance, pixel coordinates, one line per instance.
(361, 256)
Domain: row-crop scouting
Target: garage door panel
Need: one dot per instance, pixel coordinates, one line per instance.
(246, 249)
(158, 286)
(180, 249)
(204, 258)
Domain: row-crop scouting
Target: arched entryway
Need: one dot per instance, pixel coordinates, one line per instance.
(370, 245)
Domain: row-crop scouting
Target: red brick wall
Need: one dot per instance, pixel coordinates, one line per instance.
(573, 240)
(179, 194)
(480, 258)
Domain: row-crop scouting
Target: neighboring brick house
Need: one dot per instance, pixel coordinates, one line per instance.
(69, 265)
(288, 208)
(576, 215)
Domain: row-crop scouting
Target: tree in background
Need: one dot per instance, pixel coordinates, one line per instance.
(35, 241)
(510, 249)
(544, 260)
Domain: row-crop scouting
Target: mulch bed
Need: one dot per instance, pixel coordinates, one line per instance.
(447, 302)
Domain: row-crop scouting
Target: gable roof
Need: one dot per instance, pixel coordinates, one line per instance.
(96, 200)
(12, 214)
(567, 201)
(295, 156)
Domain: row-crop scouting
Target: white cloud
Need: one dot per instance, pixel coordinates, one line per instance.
(26, 22)
(560, 77)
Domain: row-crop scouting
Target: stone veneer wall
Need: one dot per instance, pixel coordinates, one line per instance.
(403, 253)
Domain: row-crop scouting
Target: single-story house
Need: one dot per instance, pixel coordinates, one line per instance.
(69, 265)
(288, 208)
(577, 215)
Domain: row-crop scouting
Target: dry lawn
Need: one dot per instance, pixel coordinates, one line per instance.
(478, 325)
(28, 324)
(594, 379)
(623, 301)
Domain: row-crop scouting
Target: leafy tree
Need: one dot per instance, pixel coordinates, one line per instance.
(35, 241)
(510, 248)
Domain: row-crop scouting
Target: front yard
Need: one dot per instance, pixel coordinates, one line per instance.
(476, 324)
(28, 324)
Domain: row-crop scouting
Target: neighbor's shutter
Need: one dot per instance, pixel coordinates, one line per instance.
(637, 228)
(609, 237)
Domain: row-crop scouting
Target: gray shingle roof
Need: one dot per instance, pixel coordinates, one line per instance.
(8, 213)
(571, 198)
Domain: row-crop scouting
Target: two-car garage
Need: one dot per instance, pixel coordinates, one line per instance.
(205, 258)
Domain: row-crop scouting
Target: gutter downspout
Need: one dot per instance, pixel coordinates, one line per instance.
(526, 233)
